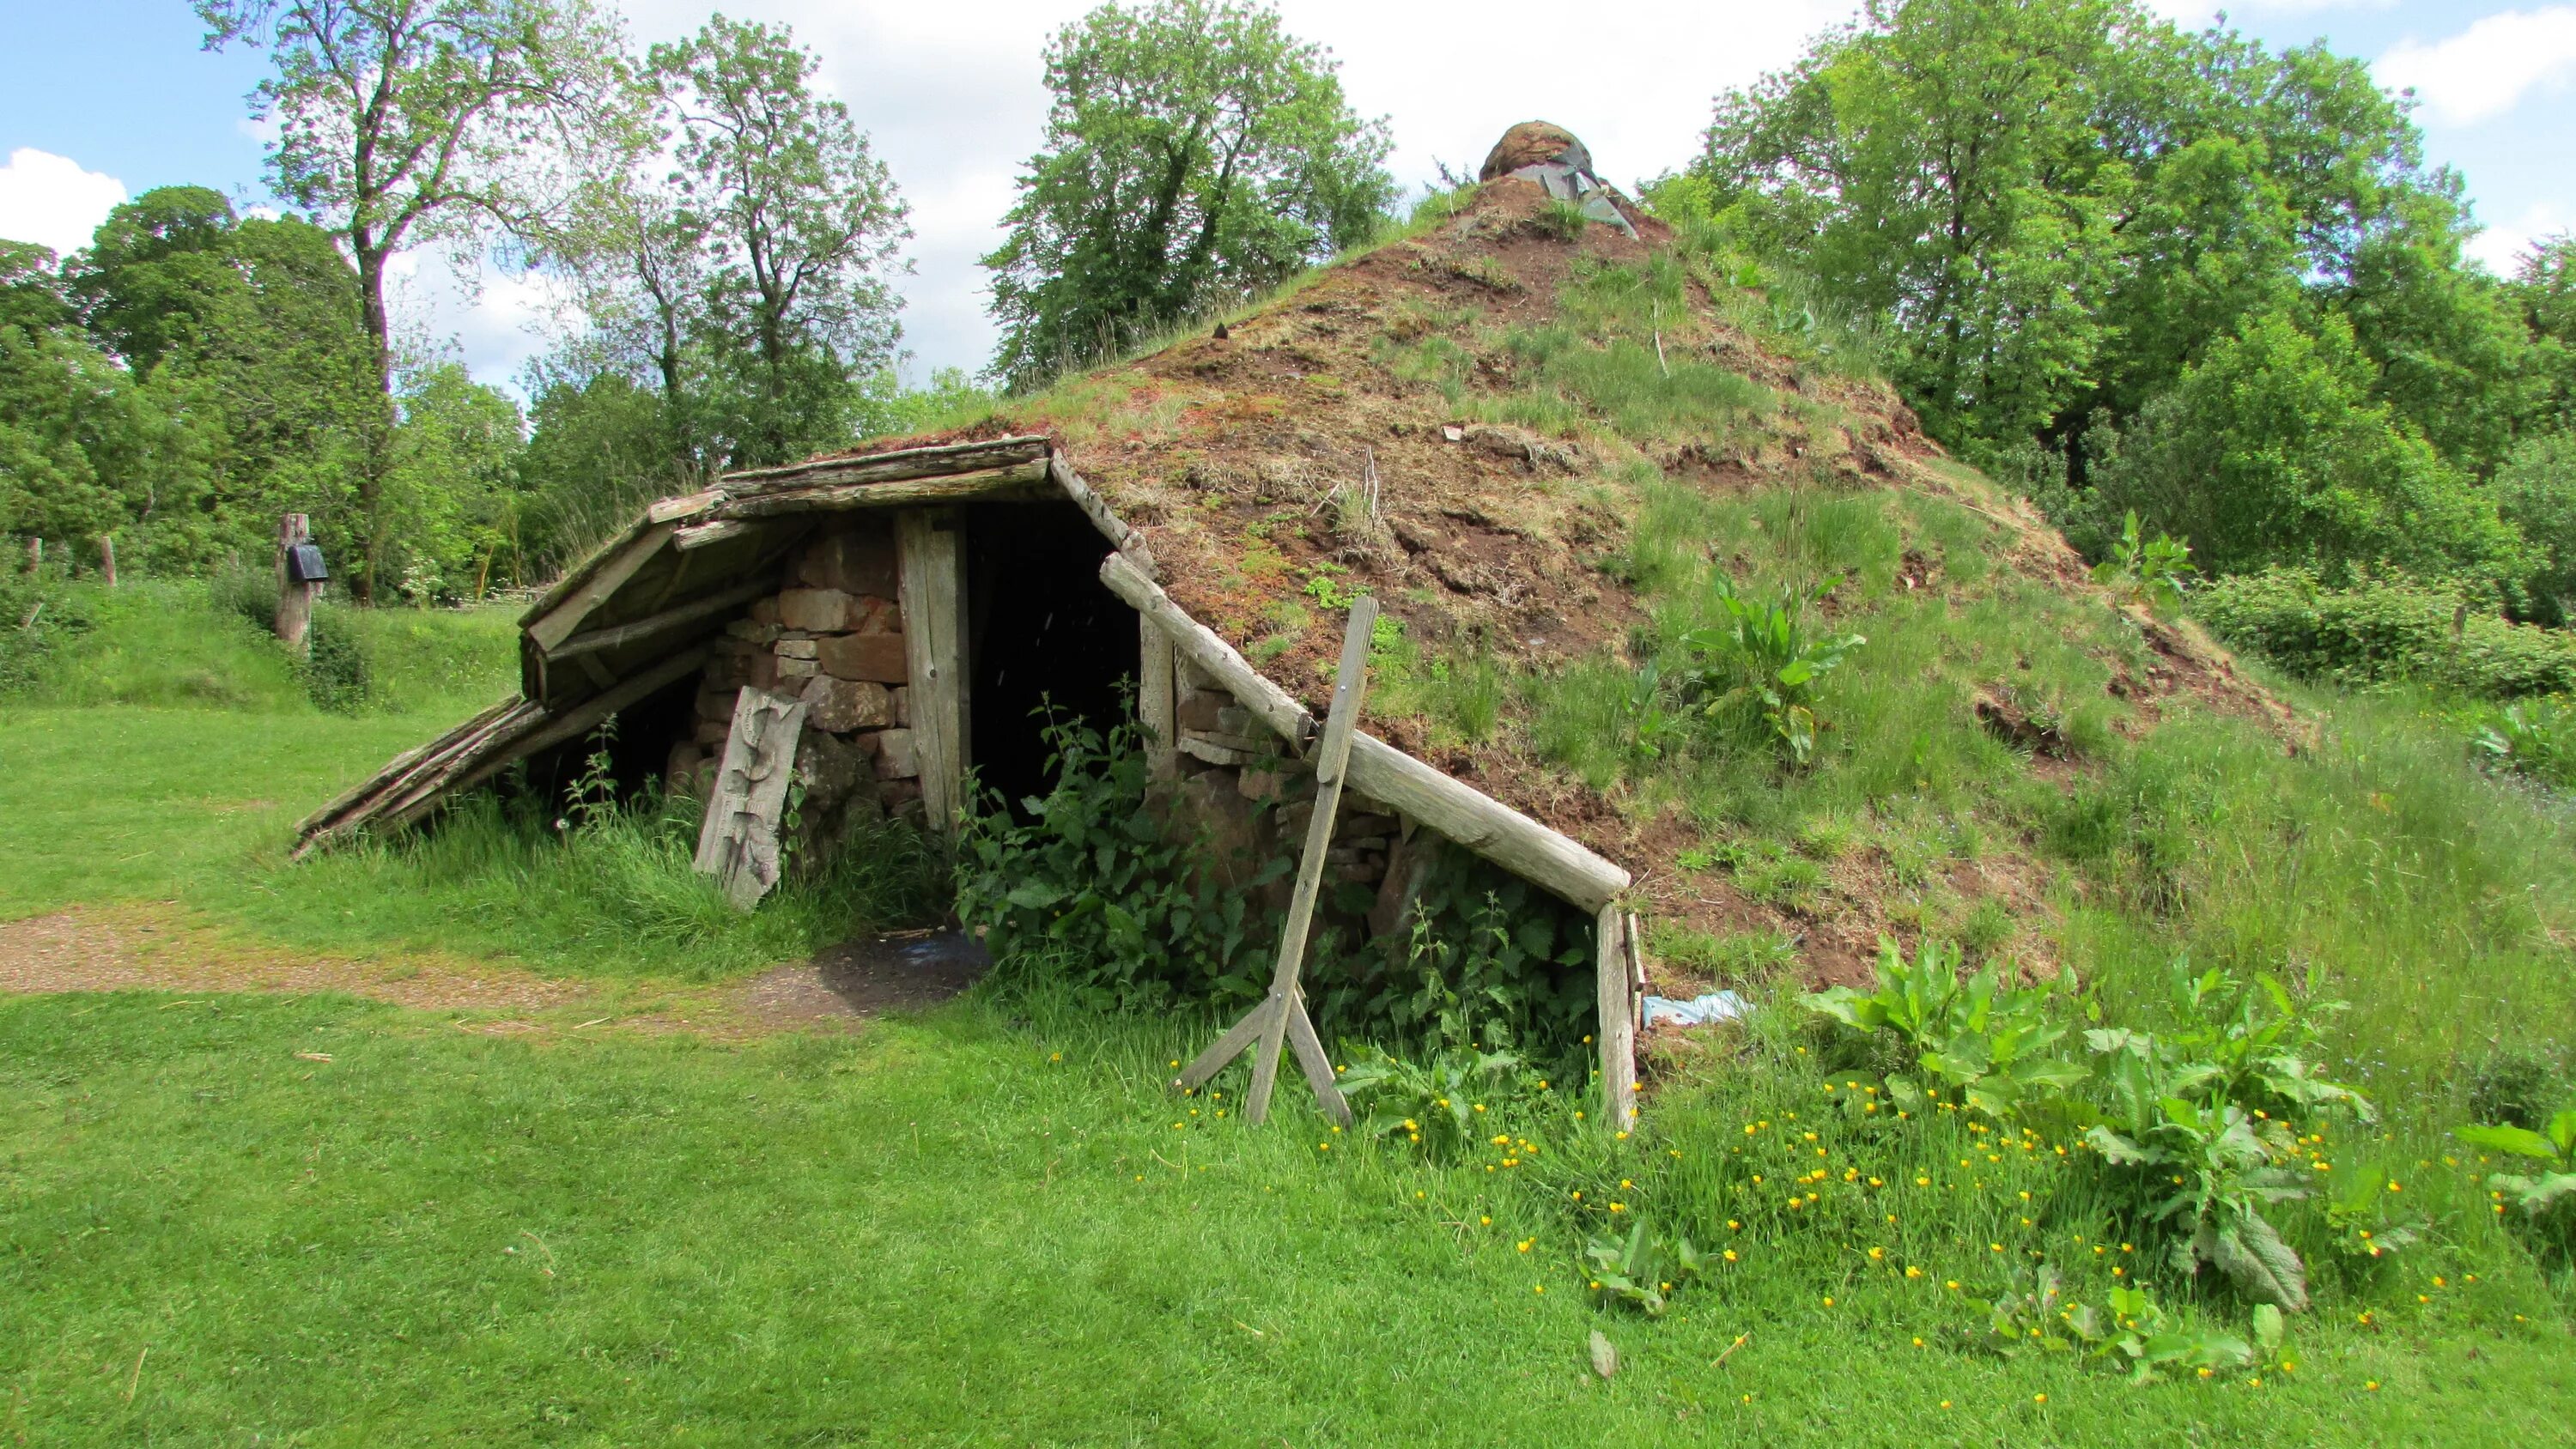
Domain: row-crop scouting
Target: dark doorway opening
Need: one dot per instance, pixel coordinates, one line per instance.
(1042, 630)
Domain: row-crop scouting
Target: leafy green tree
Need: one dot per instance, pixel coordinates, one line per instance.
(76, 438)
(452, 495)
(2059, 204)
(249, 331)
(800, 225)
(409, 121)
(2544, 291)
(597, 450)
(2271, 450)
(2535, 491)
(1196, 154)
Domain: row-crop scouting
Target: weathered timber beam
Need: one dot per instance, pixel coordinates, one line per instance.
(1013, 480)
(1615, 1033)
(888, 467)
(401, 764)
(1126, 540)
(1195, 641)
(1379, 770)
(685, 507)
(1484, 825)
(571, 724)
(579, 574)
(558, 623)
(645, 628)
(700, 535)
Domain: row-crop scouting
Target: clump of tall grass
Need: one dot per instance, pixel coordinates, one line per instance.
(607, 890)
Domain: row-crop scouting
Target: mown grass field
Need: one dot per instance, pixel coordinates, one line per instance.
(989, 1224)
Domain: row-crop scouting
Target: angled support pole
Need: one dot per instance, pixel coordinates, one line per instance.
(1280, 1019)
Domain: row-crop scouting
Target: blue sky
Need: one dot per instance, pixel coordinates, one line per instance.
(108, 98)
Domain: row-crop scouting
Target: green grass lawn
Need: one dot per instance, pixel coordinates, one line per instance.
(990, 1225)
(976, 1227)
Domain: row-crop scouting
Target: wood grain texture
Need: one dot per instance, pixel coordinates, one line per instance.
(1615, 1033)
(1157, 701)
(1332, 768)
(597, 640)
(887, 467)
(738, 840)
(930, 554)
(564, 619)
(1011, 480)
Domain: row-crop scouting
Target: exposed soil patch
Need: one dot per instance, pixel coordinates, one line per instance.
(156, 949)
(85, 949)
(904, 971)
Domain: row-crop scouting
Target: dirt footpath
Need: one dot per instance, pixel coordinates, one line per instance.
(159, 948)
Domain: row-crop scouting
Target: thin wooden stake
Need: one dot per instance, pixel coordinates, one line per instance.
(1332, 766)
(1280, 1020)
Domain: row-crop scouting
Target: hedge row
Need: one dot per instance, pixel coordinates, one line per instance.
(2386, 631)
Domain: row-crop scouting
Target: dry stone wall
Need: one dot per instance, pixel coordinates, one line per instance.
(833, 635)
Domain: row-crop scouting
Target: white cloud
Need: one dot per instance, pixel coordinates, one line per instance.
(49, 200)
(2502, 245)
(2485, 70)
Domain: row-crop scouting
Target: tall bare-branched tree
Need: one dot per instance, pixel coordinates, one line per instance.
(402, 122)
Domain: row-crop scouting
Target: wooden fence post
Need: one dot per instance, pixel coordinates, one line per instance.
(107, 558)
(36, 554)
(294, 600)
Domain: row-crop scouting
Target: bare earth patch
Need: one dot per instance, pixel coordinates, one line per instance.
(148, 948)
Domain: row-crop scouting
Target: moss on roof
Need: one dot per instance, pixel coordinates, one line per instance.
(1535, 441)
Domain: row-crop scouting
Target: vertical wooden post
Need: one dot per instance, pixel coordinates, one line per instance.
(107, 558)
(1157, 703)
(294, 600)
(930, 549)
(36, 554)
(1616, 1031)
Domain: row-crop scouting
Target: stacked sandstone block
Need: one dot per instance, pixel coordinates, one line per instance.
(834, 637)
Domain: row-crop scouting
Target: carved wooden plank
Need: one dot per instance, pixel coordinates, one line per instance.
(684, 508)
(1012, 480)
(1615, 1033)
(1157, 705)
(596, 640)
(884, 467)
(738, 841)
(930, 554)
(1332, 768)
(700, 535)
(559, 622)
(1379, 770)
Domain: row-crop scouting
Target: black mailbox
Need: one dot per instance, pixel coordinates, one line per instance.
(304, 564)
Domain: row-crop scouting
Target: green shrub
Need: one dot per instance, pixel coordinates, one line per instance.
(1991, 1044)
(2534, 737)
(1762, 661)
(2389, 629)
(2515, 1085)
(1106, 886)
(2535, 491)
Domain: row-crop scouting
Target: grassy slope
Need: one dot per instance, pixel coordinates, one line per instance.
(939, 1233)
(900, 1247)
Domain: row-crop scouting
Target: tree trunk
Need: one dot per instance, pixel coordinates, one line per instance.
(377, 428)
(107, 558)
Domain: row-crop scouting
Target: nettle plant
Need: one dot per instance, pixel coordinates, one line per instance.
(1445, 1106)
(1992, 1044)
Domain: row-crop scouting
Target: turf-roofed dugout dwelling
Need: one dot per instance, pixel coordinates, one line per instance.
(1474, 423)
